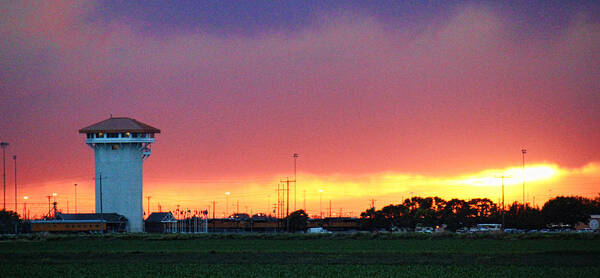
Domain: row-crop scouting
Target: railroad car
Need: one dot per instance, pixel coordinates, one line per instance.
(66, 226)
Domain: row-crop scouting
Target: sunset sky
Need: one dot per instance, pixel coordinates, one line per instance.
(382, 99)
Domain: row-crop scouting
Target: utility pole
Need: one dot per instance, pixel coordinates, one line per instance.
(321, 203)
(15, 159)
(49, 208)
(4, 145)
(284, 188)
(286, 198)
(523, 151)
(287, 210)
(148, 204)
(295, 156)
(330, 208)
(75, 198)
(503, 177)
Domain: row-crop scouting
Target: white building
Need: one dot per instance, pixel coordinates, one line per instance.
(120, 147)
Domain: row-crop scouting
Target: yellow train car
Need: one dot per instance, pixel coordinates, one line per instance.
(66, 226)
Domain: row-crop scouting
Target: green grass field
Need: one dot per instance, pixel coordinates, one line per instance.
(298, 255)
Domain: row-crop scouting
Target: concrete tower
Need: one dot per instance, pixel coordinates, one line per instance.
(120, 147)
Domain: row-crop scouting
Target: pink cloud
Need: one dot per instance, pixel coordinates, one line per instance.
(348, 93)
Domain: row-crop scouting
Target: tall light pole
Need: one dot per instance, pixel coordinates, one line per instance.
(4, 145)
(321, 203)
(75, 198)
(523, 151)
(227, 203)
(295, 156)
(15, 159)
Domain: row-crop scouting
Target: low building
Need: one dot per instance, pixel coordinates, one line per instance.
(161, 222)
(592, 225)
(114, 222)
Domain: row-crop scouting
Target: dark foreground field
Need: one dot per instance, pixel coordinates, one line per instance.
(305, 256)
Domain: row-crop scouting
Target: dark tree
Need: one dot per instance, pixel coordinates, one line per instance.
(373, 220)
(424, 213)
(9, 221)
(297, 221)
(483, 208)
(524, 217)
(457, 213)
(595, 208)
(565, 210)
(396, 216)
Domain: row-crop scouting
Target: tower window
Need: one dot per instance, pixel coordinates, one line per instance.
(115, 147)
(113, 135)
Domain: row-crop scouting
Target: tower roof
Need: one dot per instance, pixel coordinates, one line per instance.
(120, 124)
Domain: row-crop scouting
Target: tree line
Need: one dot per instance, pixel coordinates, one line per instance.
(457, 213)
(432, 212)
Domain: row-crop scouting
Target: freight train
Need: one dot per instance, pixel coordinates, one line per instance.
(238, 223)
(274, 225)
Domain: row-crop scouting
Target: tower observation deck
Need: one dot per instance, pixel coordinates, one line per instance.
(120, 147)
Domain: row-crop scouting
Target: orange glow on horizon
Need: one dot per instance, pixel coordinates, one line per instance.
(349, 194)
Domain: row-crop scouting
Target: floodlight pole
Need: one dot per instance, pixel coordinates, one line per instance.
(4, 145)
(523, 151)
(15, 159)
(75, 198)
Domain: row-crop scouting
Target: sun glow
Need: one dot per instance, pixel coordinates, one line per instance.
(513, 175)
